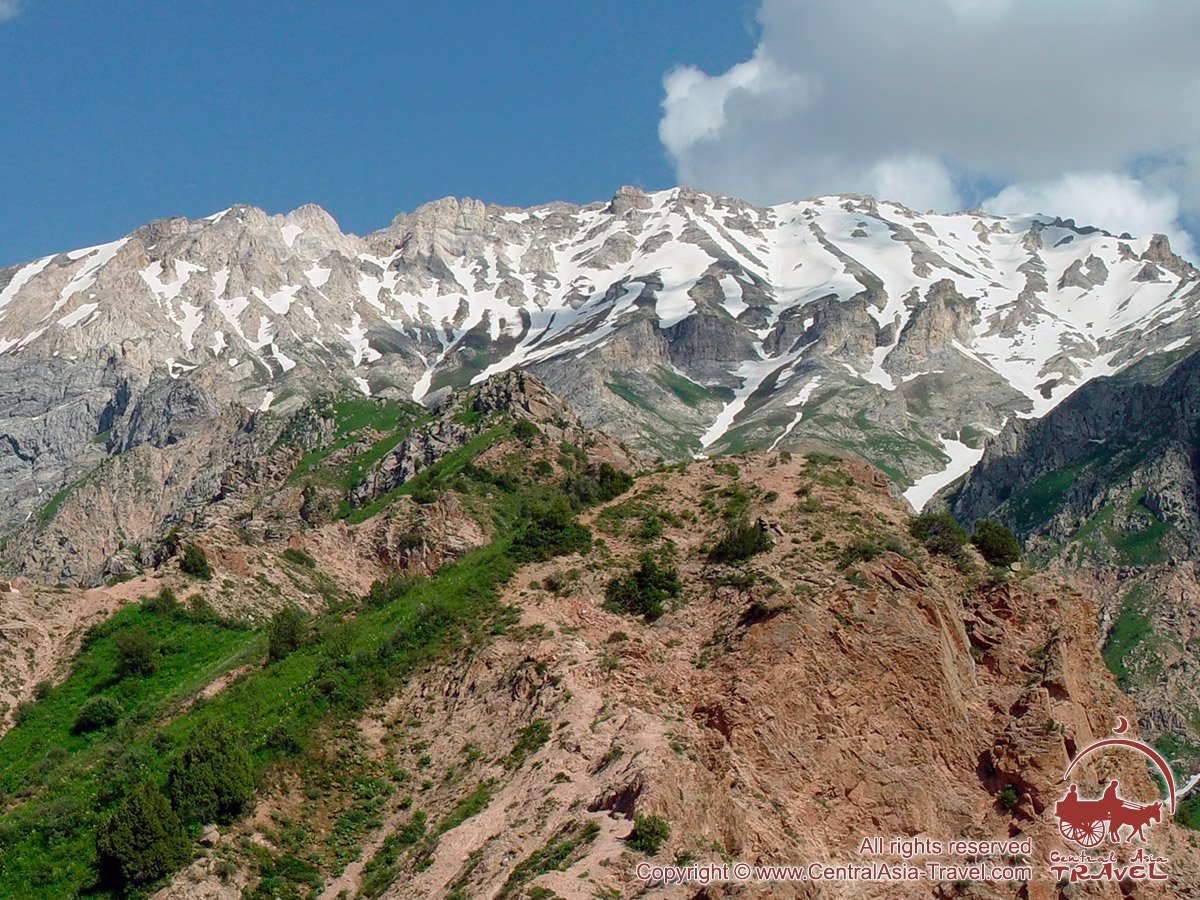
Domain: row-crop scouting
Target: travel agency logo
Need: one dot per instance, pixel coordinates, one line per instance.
(1087, 821)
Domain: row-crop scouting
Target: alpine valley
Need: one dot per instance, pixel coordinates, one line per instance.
(499, 550)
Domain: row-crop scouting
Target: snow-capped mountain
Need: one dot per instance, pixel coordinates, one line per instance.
(683, 322)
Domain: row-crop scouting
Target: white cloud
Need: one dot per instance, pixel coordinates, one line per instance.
(9, 9)
(919, 101)
(920, 182)
(1107, 200)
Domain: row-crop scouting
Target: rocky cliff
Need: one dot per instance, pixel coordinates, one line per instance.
(838, 685)
(679, 321)
(1105, 488)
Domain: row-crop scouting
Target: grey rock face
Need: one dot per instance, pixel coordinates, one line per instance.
(683, 322)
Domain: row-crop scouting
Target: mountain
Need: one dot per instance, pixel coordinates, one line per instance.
(482, 651)
(1106, 487)
(681, 322)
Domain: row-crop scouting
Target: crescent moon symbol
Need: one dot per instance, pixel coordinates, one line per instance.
(1122, 725)
(1149, 752)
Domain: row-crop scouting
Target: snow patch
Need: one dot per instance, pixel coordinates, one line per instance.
(290, 232)
(317, 276)
(80, 316)
(962, 458)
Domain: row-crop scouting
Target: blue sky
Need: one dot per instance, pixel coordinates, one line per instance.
(119, 112)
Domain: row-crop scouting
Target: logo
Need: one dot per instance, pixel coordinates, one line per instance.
(1087, 821)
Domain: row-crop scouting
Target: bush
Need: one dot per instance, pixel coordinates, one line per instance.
(96, 713)
(525, 431)
(392, 588)
(299, 557)
(861, 549)
(939, 532)
(285, 632)
(195, 563)
(599, 484)
(998, 545)
(1008, 797)
(742, 541)
(643, 592)
(212, 780)
(201, 611)
(142, 840)
(137, 653)
(549, 529)
(164, 603)
(649, 834)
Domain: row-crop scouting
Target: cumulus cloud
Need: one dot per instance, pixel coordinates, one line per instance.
(922, 101)
(8, 9)
(1108, 200)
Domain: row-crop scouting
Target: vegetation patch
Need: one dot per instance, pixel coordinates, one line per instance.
(645, 591)
(1130, 630)
(567, 845)
(742, 540)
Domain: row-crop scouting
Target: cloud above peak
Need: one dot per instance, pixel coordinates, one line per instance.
(9, 9)
(922, 102)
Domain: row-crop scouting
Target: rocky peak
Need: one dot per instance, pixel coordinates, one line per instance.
(629, 198)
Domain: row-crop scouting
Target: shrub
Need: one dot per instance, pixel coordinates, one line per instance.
(285, 632)
(531, 739)
(740, 542)
(643, 592)
(599, 484)
(201, 611)
(212, 780)
(548, 529)
(137, 653)
(21, 713)
(1008, 797)
(525, 431)
(649, 834)
(861, 549)
(96, 713)
(650, 529)
(142, 840)
(391, 588)
(195, 563)
(299, 557)
(939, 532)
(998, 545)
(164, 603)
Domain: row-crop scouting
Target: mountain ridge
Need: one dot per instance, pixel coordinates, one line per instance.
(682, 322)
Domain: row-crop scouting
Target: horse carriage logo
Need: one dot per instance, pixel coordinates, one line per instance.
(1088, 822)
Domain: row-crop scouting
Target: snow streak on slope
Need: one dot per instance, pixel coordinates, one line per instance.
(839, 292)
(962, 458)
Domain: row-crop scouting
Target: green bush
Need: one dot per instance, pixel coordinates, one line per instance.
(391, 588)
(649, 834)
(299, 557)
(1008, 797)
(598, 484)
(164, 603)
(643, 592)
(548, 529)
(998, 545)
(137, 653)
(96, 713)
(939, 532)
(195, 563)
(285, 633)
(212, 780)
(525, 431)
(741, 541)
(142, 840)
